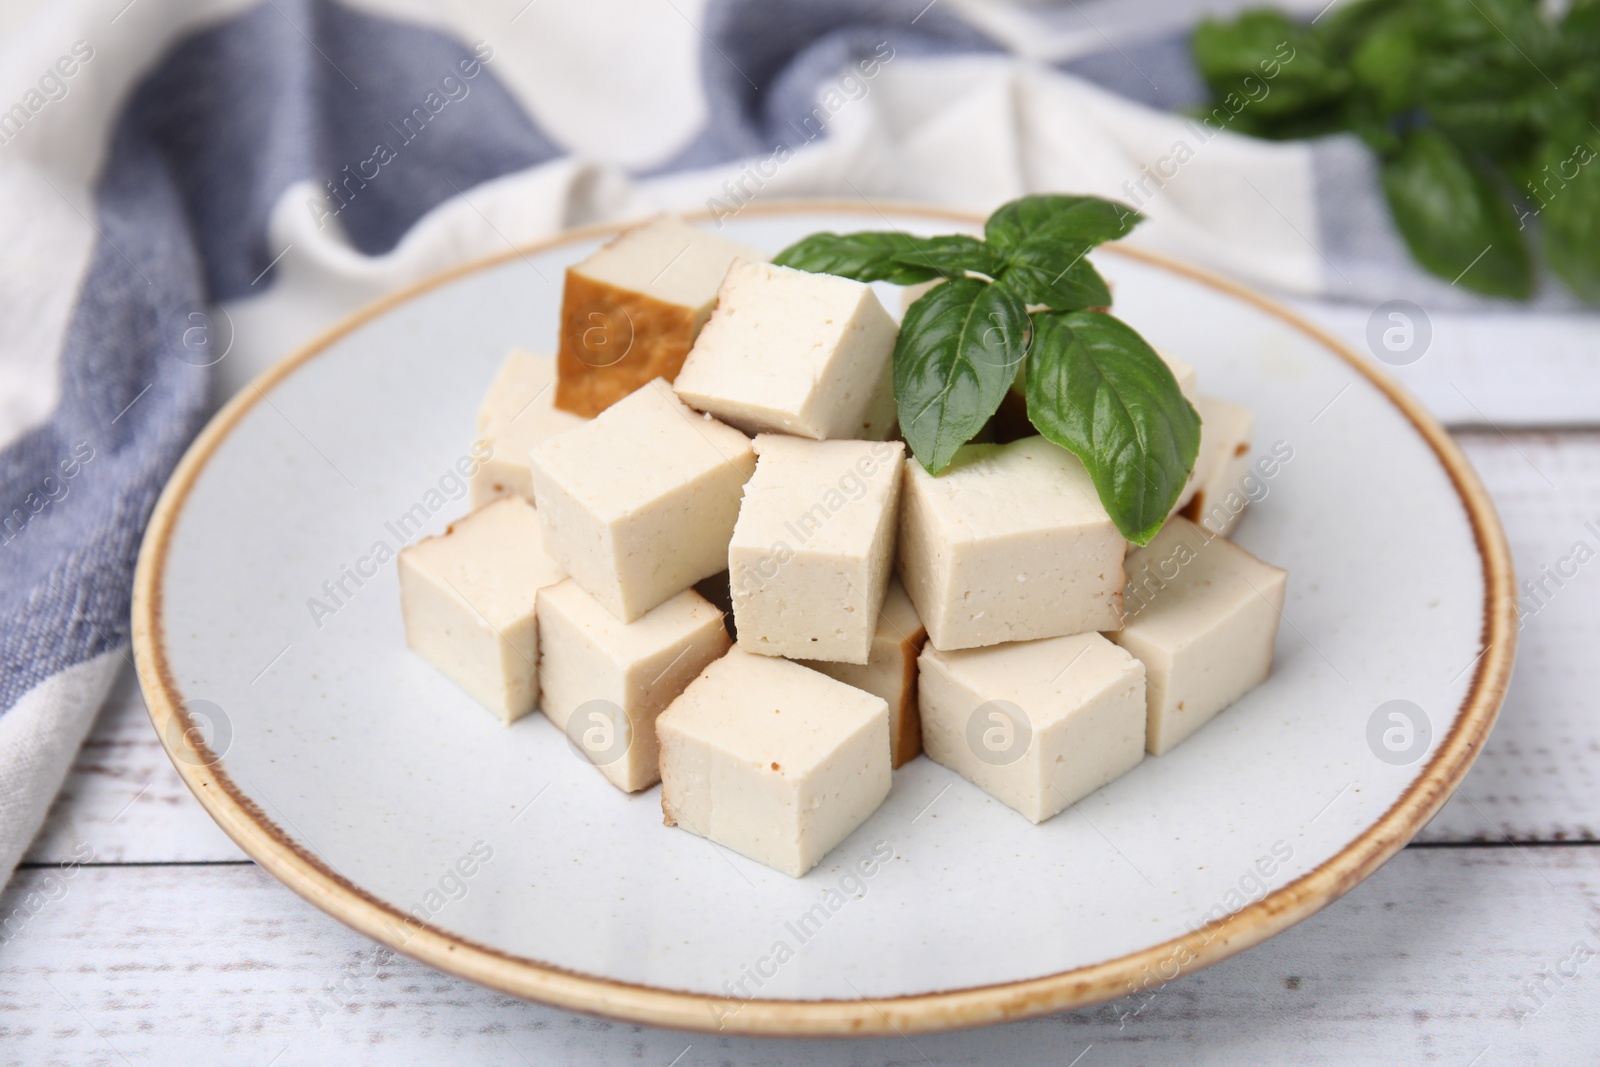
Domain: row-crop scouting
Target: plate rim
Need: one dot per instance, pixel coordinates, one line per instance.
(310, 878)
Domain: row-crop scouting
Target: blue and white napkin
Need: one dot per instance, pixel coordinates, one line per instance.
(190, 188)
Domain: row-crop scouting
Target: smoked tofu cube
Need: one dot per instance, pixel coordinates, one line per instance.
(517, 413)
(810, 556)
(1010, 543)
(638, 504)
(773, 760)
(891, 672)
(631, 311)
(791, 352)
(605, 682)
(468, 600)
(1220, 492)
(1201, 614)
(1038, 725)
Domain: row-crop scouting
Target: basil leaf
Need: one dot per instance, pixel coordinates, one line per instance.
(1060, 221)
(1044, 240)
(1098, 390)
(1386, 62)
(1044, 275)
(1572, 216)
(866, 257)
(952, 256)
(1262, 57)
(1345, 25)
(1579, 36)
(956, 357)
(1455, 222)
(1505, 126)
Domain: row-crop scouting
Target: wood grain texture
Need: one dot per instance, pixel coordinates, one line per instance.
(218, 964)
(123, 799)
(1537, 779)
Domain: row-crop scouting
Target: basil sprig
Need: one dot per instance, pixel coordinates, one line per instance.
(1484, 114)
(1027, 295)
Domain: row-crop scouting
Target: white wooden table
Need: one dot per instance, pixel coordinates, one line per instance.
(1477, 945)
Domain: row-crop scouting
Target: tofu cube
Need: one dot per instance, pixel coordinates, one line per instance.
(1201, 614)
(1038, 725)
(891, 671)
(605, 682)
(638, 504)
(1219, 497)
(517, 413)
(772, 759)
(791, 352)
(468, 600)
(1010, 543)
(717, 590)
(631, 311)
(810, 556)
(1185, 373)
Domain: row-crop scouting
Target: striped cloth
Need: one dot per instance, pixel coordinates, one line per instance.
(191, 187)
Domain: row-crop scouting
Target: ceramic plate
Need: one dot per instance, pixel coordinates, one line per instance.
(374, 788)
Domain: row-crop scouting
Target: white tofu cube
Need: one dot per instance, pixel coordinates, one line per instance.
(1219, 497)
(810, 556)
(517, 413)
(468, 600)
(891, 671)
(1010, 543)
(638, 504)
(1185, 373)
(605, 682)
(631, 311)
(717, 591)
(1038, 725)
(791, 352)
(1201, 614)
(772, 759)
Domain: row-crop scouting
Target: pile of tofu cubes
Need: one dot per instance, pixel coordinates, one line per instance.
(713, 447)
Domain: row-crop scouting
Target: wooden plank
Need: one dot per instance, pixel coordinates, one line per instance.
(1537, 780)
(1425, 962)
(124, 802)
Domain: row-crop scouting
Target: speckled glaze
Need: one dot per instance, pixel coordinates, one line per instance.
(377, 790)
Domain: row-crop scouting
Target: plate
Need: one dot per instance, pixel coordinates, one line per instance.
(371, 786)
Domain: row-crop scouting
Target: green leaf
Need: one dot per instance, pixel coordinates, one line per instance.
(866, 257)
(952, 256)
(1385, 62)
(1045, 276)
(1276, 66)
(956, 356)
(1505, 126)
(1055, 220)
(1571, 215)
(1456, 223)
(1044, 240)
(1098, 390)
(1579, 37)
(1346, 24)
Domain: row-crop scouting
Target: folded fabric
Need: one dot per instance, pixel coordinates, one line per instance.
(193, 189)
